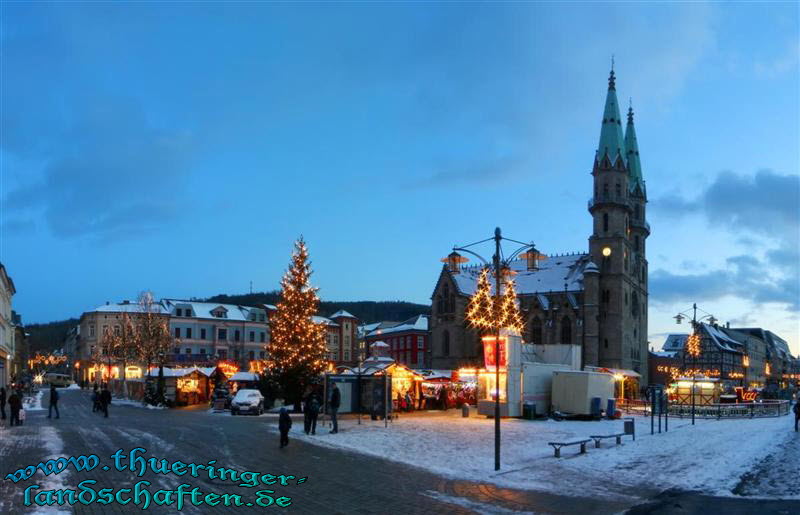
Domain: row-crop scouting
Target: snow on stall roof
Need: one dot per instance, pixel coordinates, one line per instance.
(341, 313)
(552, 275)
(244, 376)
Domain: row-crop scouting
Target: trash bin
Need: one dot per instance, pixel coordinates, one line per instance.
(612, 408)
(529, 411)
(465, 411)
(630, 428)
(595, 407)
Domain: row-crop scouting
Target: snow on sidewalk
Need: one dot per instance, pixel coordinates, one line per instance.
(711, 456)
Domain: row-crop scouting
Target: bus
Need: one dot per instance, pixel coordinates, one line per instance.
(60, 380)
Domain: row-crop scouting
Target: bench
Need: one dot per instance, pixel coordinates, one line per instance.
(558, 445)
(597, 438)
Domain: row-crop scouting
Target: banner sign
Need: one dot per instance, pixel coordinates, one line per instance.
(488, 352)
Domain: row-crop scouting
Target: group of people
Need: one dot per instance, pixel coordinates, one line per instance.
(101, 398)
(312, 405)
(14, 400)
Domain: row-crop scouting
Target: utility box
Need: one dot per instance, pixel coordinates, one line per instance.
(573, 390)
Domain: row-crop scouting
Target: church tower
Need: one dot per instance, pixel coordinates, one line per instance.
(617, 243)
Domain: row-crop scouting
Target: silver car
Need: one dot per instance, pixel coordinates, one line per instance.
(247, 401)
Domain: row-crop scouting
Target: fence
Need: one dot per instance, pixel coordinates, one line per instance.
(766, 408)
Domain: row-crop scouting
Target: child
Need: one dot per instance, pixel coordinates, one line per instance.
(284, 424)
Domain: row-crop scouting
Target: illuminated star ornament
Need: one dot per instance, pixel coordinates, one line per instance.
(693, 345)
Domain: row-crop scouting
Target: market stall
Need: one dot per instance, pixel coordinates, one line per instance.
(184, 386)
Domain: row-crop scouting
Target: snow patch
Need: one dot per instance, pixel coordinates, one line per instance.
(33, 403)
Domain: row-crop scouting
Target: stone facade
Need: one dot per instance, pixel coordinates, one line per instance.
(597, 300)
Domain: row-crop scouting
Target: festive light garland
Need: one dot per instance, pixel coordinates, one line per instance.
(484, 313)
(693, 345)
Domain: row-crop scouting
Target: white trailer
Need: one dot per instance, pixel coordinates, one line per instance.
(537, 383)
(573, 390)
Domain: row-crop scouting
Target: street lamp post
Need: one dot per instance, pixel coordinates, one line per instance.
(693, 344)
(498, 263)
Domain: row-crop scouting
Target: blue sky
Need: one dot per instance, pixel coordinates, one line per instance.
(183, 147)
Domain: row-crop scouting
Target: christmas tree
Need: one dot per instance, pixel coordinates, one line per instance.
(509, 315)
(479, 308)
(297, 345)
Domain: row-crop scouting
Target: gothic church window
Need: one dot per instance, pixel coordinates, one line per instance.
(636, 243)
(446, 343)
(636, 212)
(566, 331)
(536, 330)
(634, 305)
(618, 190)
(605, 222)
(605, 190)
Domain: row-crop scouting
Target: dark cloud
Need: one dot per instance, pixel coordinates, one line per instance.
(110, 173)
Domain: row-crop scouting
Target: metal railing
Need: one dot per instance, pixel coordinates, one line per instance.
(742, 410)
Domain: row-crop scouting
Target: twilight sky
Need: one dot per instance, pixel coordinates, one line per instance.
(183, 147)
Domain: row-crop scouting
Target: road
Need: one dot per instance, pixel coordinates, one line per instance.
(338, 481)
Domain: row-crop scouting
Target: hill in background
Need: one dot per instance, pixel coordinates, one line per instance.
(50, 336)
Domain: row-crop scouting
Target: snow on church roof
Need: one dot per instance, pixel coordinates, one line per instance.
(553, 274)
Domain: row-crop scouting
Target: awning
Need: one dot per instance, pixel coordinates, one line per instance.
(616, 371)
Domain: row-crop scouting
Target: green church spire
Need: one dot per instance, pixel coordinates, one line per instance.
(632, 155)
(611, 140)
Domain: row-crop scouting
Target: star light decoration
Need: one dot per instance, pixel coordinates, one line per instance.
(297, 343)
(484, 313)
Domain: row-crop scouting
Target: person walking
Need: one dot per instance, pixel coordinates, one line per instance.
(2, 402)
(105, 399)
(307, 408)
(15, 405)
(95, 399)
(796, 414)
(284, 425)
(53, 402)
(336, 399)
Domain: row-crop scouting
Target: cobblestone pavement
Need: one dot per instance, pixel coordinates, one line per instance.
(338, 481)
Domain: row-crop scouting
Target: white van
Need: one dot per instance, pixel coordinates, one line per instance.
(60, 380)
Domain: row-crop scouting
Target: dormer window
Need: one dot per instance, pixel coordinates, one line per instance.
(188, 312)
(179, 312)
(220, 313)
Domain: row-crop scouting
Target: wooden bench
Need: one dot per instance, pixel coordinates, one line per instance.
(558, 445)
(597, 438)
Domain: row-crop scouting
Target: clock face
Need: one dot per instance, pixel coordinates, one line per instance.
(606, 251)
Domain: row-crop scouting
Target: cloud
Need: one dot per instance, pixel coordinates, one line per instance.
(111, 173)
(765, 206)
(484, 173)
(17, 226)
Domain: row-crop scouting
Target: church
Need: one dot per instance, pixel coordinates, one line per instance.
(595, 300)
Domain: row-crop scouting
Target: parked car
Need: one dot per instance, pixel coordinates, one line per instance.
(247, 401)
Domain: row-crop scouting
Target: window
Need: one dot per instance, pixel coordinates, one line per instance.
(236, 354)
(91, 330)
(222, 353)
(252, 355)
(188, 312)
(262, 354)
(177, 332)
(636, 212)
(116, 330)
(420, 342)
(347, 355)
(634, 307)
(605, 190)
(536, 330)
(618, 189)
(605, 342)
(446, 343)
(566, 331)
(178, 312)
(263, 336)
(420, 357)
(252, 336)
(187, 350)
(203, 334)
(261, 317)
(202, 352)
(188, 332)
(236, 335)
(176, 350)
(605, 222)
(222, 334)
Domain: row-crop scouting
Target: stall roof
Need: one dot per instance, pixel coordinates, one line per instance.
(244, 376)
(178, 372)
(616, 371)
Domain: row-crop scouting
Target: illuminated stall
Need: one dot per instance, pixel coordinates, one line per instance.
(185, 386)
(706, 391)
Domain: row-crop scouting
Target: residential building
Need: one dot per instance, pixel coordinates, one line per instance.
(341, 337)
(363, 331)
(206, 332)
(408, 341)
(597, 299)
(7, 350)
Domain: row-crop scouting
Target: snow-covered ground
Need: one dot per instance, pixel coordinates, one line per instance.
(134, 403)
(33, 403)
(710, 456)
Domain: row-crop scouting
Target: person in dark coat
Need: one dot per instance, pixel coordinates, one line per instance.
(284, 425)
(796, 414)
(336, 399)
(53, 402)
(307, 408)
(95, 398)
(2, 403)
(15, 404)
(105, 400)
(313, 412)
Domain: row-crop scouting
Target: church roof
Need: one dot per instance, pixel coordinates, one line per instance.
(632, 155)
(552, 275)
(611, 139)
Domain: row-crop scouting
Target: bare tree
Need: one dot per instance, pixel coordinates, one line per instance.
(127, 347)
(155, 340)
